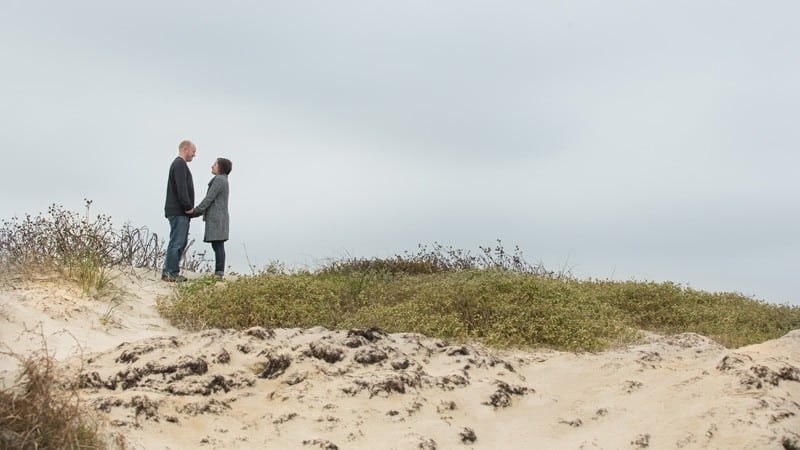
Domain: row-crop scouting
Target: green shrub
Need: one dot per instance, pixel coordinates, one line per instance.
(499, 305)
(729, 318)
(439, 258)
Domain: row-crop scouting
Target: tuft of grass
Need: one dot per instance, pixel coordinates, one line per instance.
(39, 412)
(500, 302)
(89, 273)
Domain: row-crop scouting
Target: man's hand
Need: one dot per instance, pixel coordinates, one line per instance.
(189, 212)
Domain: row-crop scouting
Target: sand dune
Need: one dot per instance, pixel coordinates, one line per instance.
(159, 387)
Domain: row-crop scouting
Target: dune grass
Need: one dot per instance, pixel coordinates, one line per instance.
(80, 248)
(492, 297)
(42, 411)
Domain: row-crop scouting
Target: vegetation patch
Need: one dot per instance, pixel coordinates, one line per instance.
(80, 247)
(493, 297)
(41, 411)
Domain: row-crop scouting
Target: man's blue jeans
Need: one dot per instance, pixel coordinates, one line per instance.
(178, 237)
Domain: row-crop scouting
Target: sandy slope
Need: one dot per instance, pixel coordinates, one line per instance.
(290, 388)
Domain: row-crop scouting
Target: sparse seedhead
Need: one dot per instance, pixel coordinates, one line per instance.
(438, 259)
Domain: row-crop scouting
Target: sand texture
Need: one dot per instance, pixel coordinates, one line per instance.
(158, 387)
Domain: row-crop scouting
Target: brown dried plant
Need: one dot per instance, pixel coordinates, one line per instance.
(41, 410)
(80, 246)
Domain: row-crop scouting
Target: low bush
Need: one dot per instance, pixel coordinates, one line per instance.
(500, 304)
(439, 258)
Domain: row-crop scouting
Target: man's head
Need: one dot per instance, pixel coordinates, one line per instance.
(186, 150)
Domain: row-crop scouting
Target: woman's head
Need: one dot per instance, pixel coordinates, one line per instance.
(224, 166)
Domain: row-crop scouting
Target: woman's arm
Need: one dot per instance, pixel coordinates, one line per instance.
(214, 189)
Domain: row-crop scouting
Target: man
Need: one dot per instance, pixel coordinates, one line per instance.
(178, 210)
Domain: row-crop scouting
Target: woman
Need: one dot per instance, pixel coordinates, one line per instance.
(214, 209)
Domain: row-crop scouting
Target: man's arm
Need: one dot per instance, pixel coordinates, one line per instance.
(182, 185)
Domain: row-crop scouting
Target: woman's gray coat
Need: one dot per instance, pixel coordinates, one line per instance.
(214, 209)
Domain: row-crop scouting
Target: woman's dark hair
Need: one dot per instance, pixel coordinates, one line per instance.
(225, 165)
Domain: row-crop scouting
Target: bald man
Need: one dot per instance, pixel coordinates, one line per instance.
(178, 210)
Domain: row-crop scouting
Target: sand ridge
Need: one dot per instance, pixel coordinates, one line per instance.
(160, 387)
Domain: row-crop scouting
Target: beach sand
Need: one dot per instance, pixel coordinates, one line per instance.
(156, 387)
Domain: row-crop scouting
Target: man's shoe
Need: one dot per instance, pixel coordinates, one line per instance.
(216, 276)
(173, 278)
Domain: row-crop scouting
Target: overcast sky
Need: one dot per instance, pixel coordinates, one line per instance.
(619, 139)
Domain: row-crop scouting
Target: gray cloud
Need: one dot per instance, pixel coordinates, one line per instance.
(626, 139)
